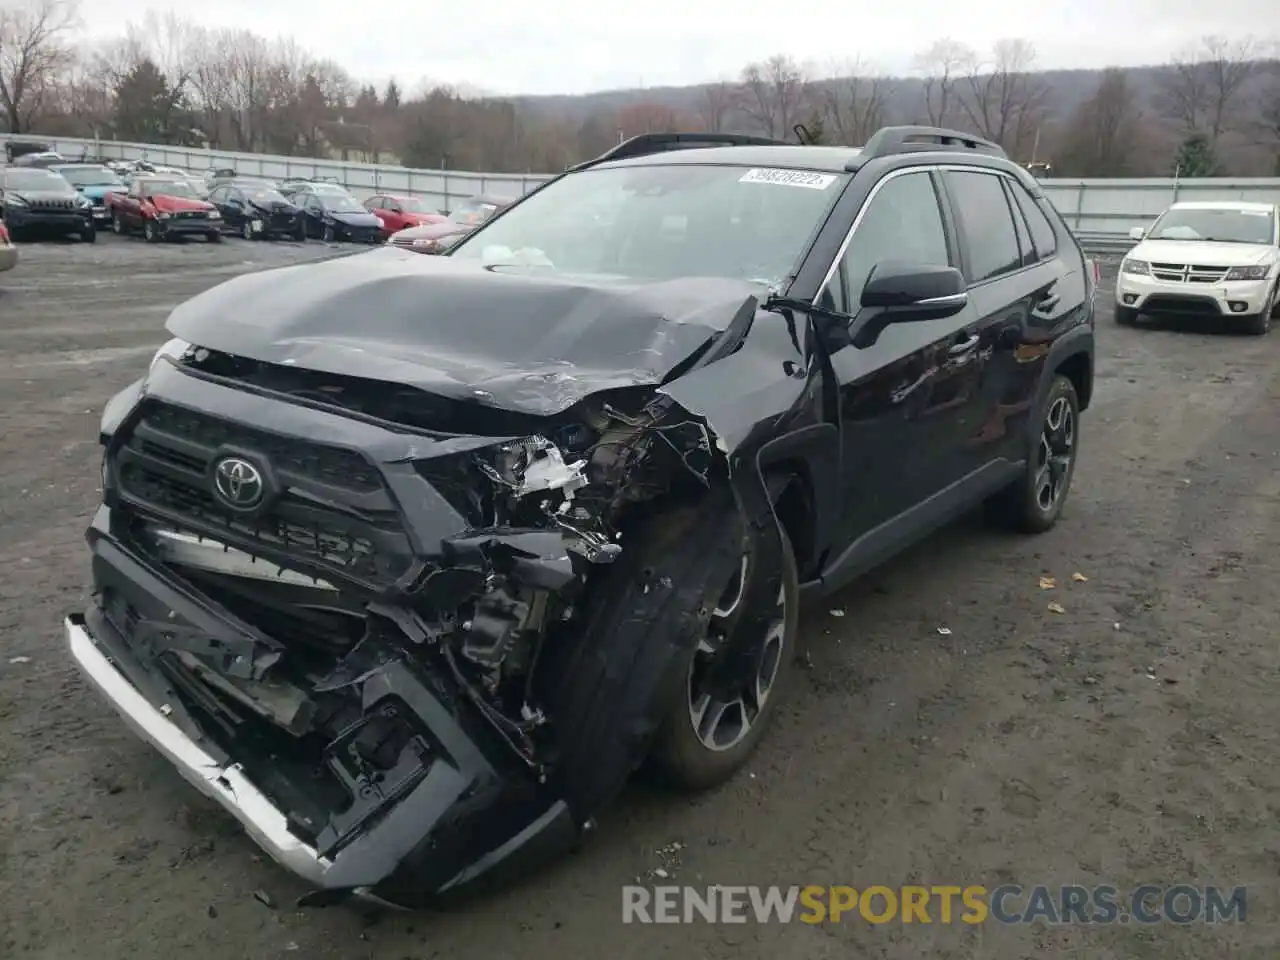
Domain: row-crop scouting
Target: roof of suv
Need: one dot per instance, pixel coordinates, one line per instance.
(826, 159)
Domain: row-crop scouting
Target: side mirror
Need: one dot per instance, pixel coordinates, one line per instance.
(910, 292)
(1137, 233)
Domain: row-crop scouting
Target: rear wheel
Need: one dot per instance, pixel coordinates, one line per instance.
(1125, 316)
(1033, 503)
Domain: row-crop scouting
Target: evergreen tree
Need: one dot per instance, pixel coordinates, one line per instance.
(1196, 158)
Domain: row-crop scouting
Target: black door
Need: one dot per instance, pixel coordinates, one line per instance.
(903, 395)
(1012, 291)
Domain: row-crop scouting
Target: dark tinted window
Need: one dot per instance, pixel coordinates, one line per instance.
(902, 223)
(1042, 235)
(987, 224)
(218, 195)
(1020, 227)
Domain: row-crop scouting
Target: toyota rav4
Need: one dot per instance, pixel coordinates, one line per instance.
(409, 562)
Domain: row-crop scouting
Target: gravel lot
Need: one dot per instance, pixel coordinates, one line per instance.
(1025, 746)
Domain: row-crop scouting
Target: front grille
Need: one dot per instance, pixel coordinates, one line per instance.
(163, 467)
(190, 214)
(1188, 273)
(1182, 303)
(42, 205)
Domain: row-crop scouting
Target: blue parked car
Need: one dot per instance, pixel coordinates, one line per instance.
(93, 182)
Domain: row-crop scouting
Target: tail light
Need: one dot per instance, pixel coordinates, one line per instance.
(4, 235)
(1094, 271)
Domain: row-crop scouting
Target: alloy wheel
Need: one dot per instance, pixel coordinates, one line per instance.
(1053, 460)
(722, 715)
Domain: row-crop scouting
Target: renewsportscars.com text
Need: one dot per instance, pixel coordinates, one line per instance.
(973, 904)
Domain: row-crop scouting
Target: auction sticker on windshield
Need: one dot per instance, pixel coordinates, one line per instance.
(790, 178)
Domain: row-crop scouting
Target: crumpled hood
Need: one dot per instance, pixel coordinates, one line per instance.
(1203, 253)
(167, 204)
(531, 344)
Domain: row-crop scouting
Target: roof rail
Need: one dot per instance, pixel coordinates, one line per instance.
(648, 143)
(892, 141)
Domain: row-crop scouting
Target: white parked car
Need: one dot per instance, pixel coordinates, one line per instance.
(1208, 259)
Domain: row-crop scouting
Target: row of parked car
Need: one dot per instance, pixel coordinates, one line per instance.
(42, 193)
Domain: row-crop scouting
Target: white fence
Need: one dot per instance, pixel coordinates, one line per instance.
(1102, 209)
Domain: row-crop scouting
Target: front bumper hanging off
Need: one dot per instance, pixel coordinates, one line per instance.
(386, 860)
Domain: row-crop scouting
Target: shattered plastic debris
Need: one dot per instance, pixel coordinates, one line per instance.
(944, 631)
(19, 659)
(1079, 578)
(1048, 583)
(1057, 608)
(837, 612)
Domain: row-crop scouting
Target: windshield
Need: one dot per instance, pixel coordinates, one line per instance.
(1232, 225)
(34, 179)
(166, 188)
(343, 205)
(662, 223)
(89, 176)
(330, 189)
(473, 212)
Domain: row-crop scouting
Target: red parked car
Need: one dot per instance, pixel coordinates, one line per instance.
(397, 213)
(163, 208)
(437, 237)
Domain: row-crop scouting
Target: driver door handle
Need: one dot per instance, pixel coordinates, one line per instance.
(964, 346)
(1047, 302)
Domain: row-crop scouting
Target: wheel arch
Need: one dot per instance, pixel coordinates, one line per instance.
(795, 479)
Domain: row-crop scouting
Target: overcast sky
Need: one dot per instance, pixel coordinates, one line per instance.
(574, 46)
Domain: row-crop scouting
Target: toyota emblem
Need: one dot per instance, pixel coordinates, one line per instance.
(238, 483)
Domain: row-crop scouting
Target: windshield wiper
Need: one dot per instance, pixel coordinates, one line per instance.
(790, 305)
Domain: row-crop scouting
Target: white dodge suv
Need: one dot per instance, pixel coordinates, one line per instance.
(1207, 258)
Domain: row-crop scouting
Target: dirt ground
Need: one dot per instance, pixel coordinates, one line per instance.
(1126, 740)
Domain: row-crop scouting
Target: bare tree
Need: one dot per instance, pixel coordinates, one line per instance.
(943, 65)
(716, 103)
(1203, 87)
(1002, 99)
(1101, 133)
(774, 95)
(34, 51)
(853, 102)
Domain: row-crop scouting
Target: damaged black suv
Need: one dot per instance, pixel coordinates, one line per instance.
(410, 562)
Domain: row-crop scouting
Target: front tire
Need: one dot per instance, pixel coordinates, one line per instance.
(1033, 503)
(619, 683)
(150, 232)
(707, 736)
(1125, 316)
(329, 235)
(214, 236)
(246, 230)
(89, 235)
(117, 225)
